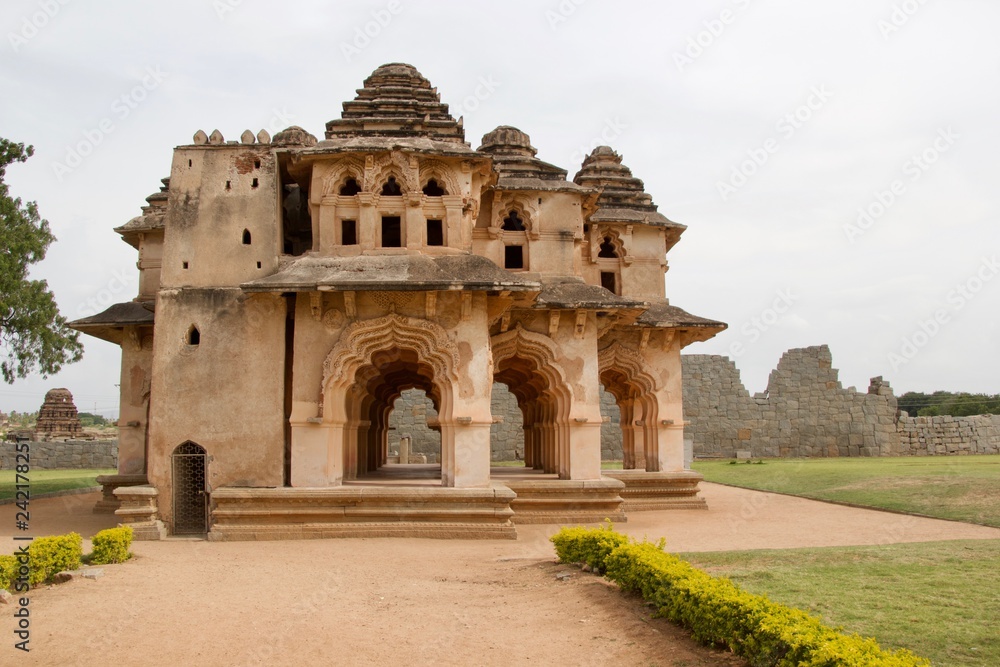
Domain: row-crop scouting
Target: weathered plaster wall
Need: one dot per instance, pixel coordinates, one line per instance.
(64, 454)
(806, 412)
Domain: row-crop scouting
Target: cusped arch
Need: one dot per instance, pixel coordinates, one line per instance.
(390, 164)
(361, 340)
(617, 357)
(344, 170)
(539, 349)
(610, 237)
(442, 173)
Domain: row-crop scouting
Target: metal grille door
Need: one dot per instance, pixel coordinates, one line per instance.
(190, 496)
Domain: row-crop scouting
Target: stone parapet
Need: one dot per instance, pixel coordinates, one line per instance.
(139, 510)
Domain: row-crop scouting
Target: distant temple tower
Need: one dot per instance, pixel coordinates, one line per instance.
(57, 417)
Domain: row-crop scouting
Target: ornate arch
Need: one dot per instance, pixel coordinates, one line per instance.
(362, 339)
(616, 242)
(618, 357)
(505, 202)
(390, 164)
(341, 171)
(542, 350)
(442, 173)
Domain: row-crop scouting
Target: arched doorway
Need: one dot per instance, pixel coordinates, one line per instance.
(623, 376)
(189, 464)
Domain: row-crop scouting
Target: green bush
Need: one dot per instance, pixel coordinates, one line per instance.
(51, 555)
(111, 546)
(587, 545)
(720, 613)
(8, 571)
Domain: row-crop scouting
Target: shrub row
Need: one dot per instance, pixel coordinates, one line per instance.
(47, 556)
(717, 611)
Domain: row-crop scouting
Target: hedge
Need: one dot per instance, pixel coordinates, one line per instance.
(717, 611)
(51, 555)
(111, 546)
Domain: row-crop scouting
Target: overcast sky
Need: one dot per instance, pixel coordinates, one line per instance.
(835, 162)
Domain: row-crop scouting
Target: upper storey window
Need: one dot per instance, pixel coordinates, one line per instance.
(350, 188)
(513, 223)
(432, 189)
(608, 249)
(391, 188)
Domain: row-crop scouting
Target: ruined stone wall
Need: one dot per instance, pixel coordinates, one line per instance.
(923, 436)
(63, 454)
(806, 412)
(413, 410)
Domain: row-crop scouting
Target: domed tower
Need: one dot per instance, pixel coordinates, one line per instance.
(627, 239)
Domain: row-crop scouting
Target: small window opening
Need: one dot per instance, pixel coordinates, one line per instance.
(586, 229)
(432, 189)
(184, 265)
(513, 222)
(254, 184)
(189, 163)
(229, 185)
(392, 236)
(435, 233)
(350, 188)
(609, 282)
(246, 237)
(348, 232)
(607, 248)
(513, 257)
(256, 164)
(391, 188)
(194, 336)
(258, 265)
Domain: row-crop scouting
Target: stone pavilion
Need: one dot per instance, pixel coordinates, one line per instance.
(291, 288)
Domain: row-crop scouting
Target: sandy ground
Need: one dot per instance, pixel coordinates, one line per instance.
(403, 601)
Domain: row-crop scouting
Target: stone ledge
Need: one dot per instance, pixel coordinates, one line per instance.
(659, 490)
(567, 501)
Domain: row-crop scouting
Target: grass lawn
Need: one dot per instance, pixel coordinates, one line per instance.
(47, 481)
(938, 599)
(966, 488)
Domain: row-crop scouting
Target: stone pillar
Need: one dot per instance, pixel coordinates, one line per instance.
(367, 220)
(415, 223)
(453, 221)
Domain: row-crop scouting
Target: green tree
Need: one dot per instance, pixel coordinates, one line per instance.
(32, 332)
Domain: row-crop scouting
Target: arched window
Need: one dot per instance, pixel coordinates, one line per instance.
(391, 188)
(432, 189)
(193, 336)
(350, 188)
(246, 237)
(608, 249)
(513, 222)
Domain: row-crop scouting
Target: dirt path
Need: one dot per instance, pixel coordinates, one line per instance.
(399, 601)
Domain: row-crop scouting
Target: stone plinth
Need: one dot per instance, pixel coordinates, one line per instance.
(138, 509)
(659, 490)
(109, 502)
(567, 501)
(57, 417)
(348, 511)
